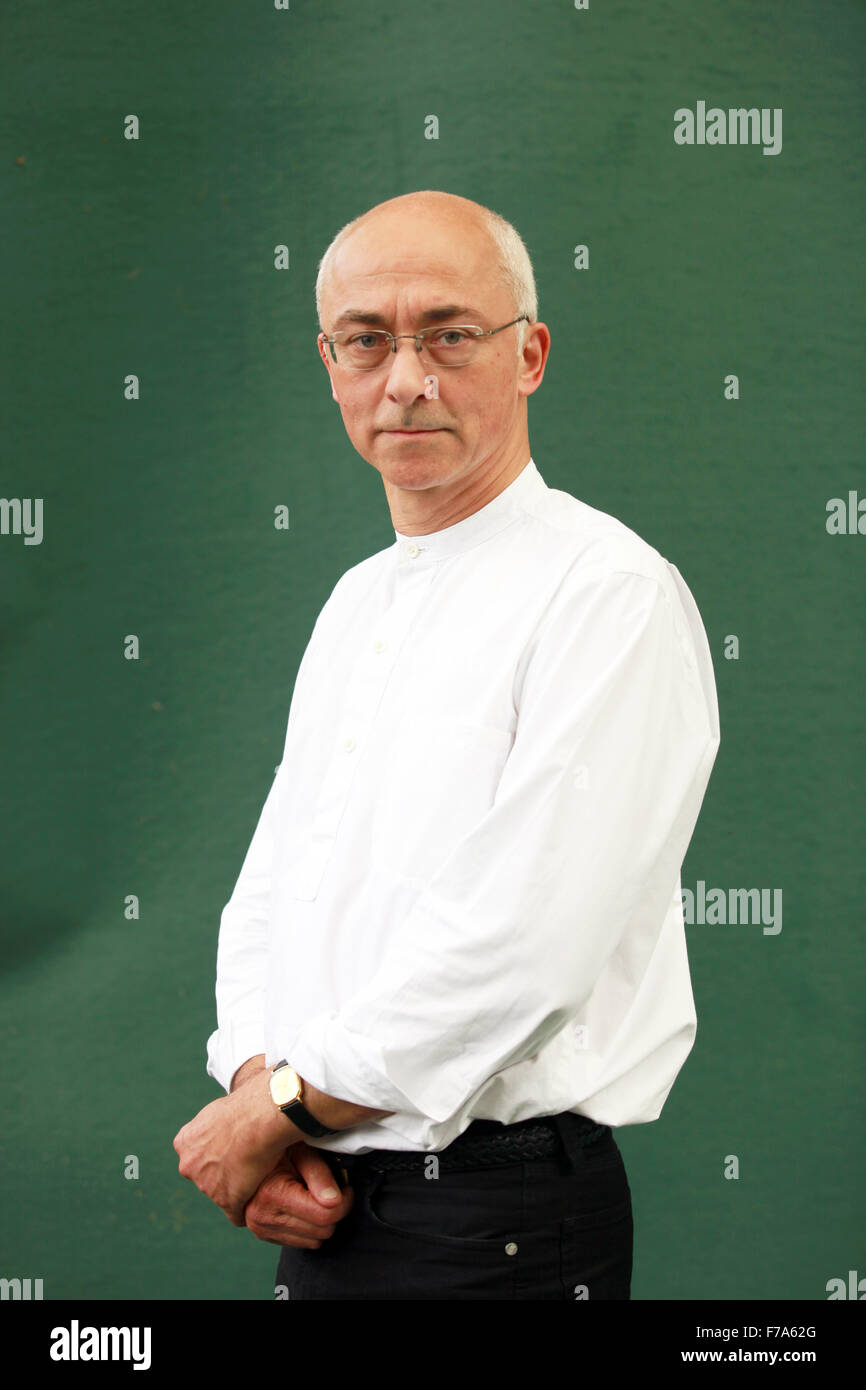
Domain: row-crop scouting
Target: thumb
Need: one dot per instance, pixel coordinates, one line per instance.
(316, 1174)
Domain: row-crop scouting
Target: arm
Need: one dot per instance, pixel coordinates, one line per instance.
(242, 952)
(242, 955)
(233, 1143)
(329, 1110)
(506, 942)
(244, 1072)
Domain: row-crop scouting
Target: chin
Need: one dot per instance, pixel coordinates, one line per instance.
(399, 462)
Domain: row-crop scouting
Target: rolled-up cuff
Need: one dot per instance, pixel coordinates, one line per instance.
(229, 1047)
(351, 1067)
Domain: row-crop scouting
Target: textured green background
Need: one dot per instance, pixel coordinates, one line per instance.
(260, 127)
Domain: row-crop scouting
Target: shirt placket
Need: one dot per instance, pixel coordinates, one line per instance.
(361, 701)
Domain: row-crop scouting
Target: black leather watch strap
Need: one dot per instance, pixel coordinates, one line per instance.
(305, 1121)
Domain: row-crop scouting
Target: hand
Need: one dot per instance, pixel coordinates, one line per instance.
(233, 1143)
(290, 1206)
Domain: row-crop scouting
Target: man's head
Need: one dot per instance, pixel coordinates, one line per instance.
(397, 265)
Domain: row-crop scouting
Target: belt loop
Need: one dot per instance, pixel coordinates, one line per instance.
(341, 1165)
(569, 1140)
(350, 1170)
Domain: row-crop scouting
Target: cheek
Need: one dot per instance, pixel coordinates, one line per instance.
(356, 410)
(486, 404)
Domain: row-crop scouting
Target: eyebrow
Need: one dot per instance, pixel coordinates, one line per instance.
(448, 311)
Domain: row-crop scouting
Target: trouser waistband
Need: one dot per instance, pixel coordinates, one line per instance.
(489, 1144)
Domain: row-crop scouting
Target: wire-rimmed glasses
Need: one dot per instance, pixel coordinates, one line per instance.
(445, 345)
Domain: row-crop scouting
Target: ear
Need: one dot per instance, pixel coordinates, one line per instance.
(323, 353)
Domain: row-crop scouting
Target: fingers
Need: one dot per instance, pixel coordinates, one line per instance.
(284, 1212)
(286, 1165)
(281, 1194)
(315, 1172)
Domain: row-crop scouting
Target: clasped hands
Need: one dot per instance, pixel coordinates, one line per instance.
(249, 1159)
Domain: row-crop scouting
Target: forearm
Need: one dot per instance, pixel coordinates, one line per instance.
(336, 1113)
(329, 1110)
(244, 1072)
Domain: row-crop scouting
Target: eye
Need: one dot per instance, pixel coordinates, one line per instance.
(365, 340)
(450, 337)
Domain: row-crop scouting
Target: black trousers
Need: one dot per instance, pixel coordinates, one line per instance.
(558, 1228)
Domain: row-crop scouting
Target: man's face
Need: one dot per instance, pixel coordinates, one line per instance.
(398, 269)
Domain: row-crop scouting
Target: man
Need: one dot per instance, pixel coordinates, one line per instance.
(454, 958)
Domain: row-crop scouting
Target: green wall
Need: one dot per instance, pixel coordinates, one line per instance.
(155, 256)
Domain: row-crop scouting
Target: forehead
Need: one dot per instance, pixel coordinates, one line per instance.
(394, 262)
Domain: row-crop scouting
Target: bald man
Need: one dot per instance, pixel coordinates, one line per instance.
(454, 959)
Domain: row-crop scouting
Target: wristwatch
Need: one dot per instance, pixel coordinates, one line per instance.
(287, 1090)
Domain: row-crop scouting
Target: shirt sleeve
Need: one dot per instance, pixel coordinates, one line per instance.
(242, 956)
(242, 952)
(617, 732)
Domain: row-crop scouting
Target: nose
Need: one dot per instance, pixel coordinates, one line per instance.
(407, 373)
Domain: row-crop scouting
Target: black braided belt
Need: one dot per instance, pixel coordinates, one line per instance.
(489, 1144)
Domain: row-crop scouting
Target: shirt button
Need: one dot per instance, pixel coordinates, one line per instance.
(379, 645)
(413, 550)
(511, 1248)
(348, 744)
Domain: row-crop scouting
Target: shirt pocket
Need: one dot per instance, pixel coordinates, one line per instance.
(438, 782)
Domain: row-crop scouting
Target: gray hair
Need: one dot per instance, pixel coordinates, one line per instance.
(514, 266)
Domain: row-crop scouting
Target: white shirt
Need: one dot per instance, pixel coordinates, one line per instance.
(462, 898)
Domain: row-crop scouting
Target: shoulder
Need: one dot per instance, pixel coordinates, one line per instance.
(589, 542)
(353, 587)
(610, 576)
(359, 577)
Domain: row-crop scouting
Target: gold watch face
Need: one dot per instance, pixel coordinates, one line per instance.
(285, 1085)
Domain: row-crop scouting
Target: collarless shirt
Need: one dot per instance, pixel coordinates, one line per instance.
(462, 899)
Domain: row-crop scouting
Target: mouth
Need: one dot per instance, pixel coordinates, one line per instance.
(412, 434)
